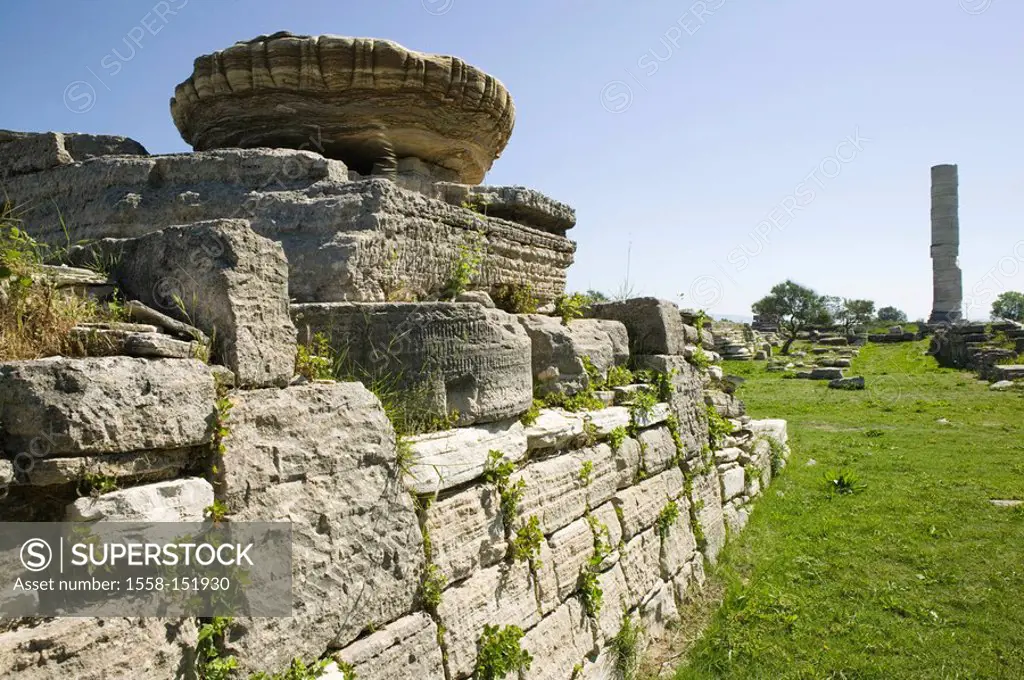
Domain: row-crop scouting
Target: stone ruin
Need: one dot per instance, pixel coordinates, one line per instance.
(992, 350)
(742, 342)
(947, 279)
(334, 182)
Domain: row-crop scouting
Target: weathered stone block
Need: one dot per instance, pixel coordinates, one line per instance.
(679, 547)
(640, 505)
(571, 549)
(555, 491)
(502, 595)
(559, 350)
(99, 649)
(458, 356)
(658, 610)
(606, 517)
(406, 648)
(60, 407)
(733, 481)
(559, 642)
(221, 277)
(658, 450)
(180, 500)
(641, 565)
(32, 153)
(323, 457)
(466, 532)
(615, 597)
(135, 467)
(707, 498)
(687, 399)
(654, 325)
(726, 405)
(442, 460)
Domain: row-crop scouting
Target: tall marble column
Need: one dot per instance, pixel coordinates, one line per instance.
(947, 281)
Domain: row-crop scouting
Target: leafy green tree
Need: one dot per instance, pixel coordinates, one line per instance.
(891, 315)
(596, 296)
(795, 306)
(1009, 305)
(855, 313)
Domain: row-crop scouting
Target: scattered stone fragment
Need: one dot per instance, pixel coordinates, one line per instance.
(851, 383)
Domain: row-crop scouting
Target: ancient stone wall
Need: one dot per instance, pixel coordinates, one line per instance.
(991, 350)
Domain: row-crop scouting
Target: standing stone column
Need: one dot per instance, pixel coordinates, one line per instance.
(947, 283)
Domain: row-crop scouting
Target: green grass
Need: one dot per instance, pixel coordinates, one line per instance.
(916, 575)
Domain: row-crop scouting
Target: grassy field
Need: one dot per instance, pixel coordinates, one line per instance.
(917, 574)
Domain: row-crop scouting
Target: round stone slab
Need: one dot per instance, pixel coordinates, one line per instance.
(359, 100)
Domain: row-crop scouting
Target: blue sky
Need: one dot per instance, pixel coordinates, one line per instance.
(723, 145)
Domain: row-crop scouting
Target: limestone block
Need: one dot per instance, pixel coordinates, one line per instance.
(221, 277)
(601, 668)
(679, 547)
(774, 428)
(515, 204)
(406, 648)
(641, 565)
(126, 468)
(442, 460)
(571, 550)
(459, 356)
(466, 531)
(553, 428)
(687, 400)
(32, 153)
(557, 354)
(707, 498)
(180, 500)
(658, 610)
(98, 649)
(78, 145)
(733, 481)
(615, 597)
(606, 517)
(825, 373)
(368, 98)
(61, 407)
(729, 455)
(726, 405)
(640, 505)
(658, 450)
(546, 580)
(555, 492)
(502, 595)
(654, 325)
(322, 456)
(559, 643)
(98, 342)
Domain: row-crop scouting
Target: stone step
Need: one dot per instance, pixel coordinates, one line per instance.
(1008, 372)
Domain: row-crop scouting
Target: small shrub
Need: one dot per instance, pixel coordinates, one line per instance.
(210, 665)
(625, 647)
(584, 400)
(571, 307)
(217, 512)
(591, 595)
(778, 455)
(499, 653)
(700, 358)
(96, 484)
(515, 298)
(666, 518)
(616, 437)
(618, 376)
(642, 408)
(300, 671)
(527, 541)
(465, 268)
(586, 472)
(531, 415)
(433, 585)
(718, 427)
(873, 433)
(315, 359)
(498, 471)
(596, 379)
(843, 483)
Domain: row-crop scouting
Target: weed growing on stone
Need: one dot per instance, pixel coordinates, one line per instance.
(591, 595)
(584, 400)
(527, 542)
(616, 437)
(498, 471)
(515, 298)
(216, 512)
(659, 381)
(672, 421)
(625, 647)
(666, 518)
(718, 427)
(618, 376)
(700, 358)
(465, 268)
(777, 456)
(210, 665)
(499, 653)
(300, 671)
(586, 472)
(641, 410)
(571, 307)
(315, 359)
(532, 413)
(434, 583)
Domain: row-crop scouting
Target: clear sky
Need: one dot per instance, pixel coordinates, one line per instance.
(717, 147)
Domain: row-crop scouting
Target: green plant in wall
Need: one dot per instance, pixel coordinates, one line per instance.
(673, 427)
(526, 544)
(221, 431)
(666, 518)
(300, 671)
(718, 427)
(498, 471)
(465, 268)
(515, 298)
(217, 512)
(499, 653)
(586, 473)
(314, 360)
(777, 456)
(616, 437)
(434, 583)
(700, 358)
(618, 376)
(641, 410)
(590, 593)
(96, 484)
(625, 647)
(210, 665)
(571, 307)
